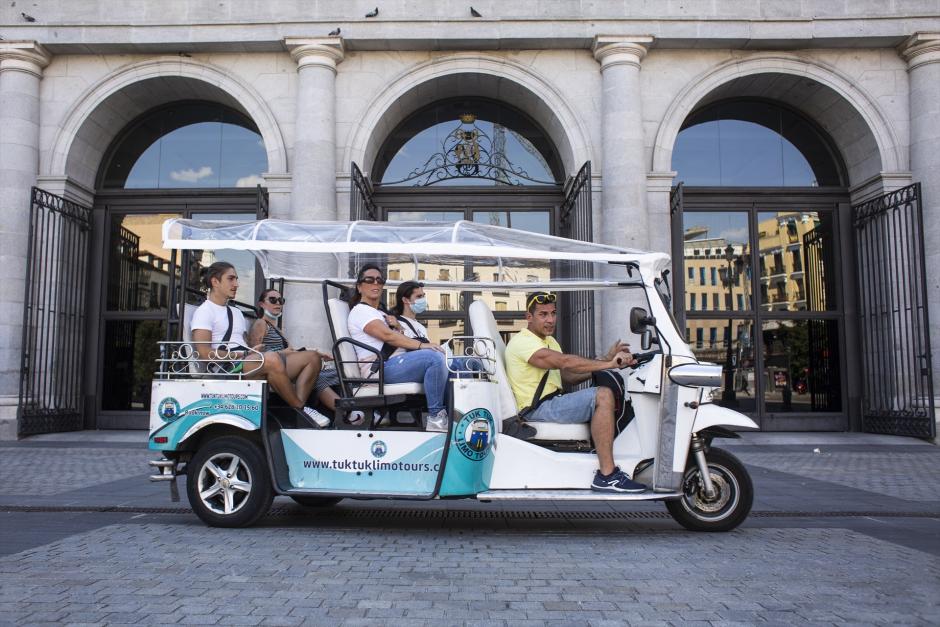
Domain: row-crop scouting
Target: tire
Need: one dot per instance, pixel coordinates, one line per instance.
(317, 501)
(228, 483)
(731, 505)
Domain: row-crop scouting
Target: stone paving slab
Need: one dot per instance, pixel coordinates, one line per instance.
(189, 574)
(913, 477)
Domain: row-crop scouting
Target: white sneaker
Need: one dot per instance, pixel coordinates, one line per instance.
(437, 422)
(321, 420)
(357, 416)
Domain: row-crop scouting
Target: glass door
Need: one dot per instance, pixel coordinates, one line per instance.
(762, 298)
(134, 288)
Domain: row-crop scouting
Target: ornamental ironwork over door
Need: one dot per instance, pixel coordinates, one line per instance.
(50, 397)
(575, 223)
(897, 386)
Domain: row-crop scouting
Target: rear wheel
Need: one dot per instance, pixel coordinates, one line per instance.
(228, 483)
(316, 501)
(734, 494)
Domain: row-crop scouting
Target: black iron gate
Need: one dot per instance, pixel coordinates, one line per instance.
(361, 204)
(897, 386)
(575, 222)
(50, 397)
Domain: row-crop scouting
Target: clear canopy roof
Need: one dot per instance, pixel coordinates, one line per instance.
(314, 251)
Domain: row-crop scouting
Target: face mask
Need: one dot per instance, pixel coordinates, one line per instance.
(420, 305)
(273, 316)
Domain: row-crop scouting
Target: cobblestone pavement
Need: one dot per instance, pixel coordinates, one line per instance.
(183, 573)
(871, 471)
(850, 535)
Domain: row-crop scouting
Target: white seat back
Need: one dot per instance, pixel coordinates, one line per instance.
(483, 324)
(338, 311)
(188, 311)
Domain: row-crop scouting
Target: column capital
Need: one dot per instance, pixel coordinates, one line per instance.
(920, 49)
(325, 52)
(611, 50)
(24, 56)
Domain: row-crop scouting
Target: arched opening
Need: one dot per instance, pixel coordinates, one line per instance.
(758, 215)
(194, 158)
(477, 159)
(467, 137)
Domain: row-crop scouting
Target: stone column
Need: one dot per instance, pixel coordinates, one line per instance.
(21, 65)
(922, 53)
(313, 172)
(623, 217)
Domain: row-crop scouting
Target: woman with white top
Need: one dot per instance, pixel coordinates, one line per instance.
(410, 300)
(424, 363)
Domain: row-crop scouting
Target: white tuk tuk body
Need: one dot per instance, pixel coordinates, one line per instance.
(190, 408)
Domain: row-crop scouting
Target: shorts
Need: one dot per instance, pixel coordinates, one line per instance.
(327, 378)
(572, 408)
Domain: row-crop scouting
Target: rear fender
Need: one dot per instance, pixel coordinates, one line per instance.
(711, 415)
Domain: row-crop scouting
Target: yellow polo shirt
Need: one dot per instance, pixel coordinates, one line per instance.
(524, 377)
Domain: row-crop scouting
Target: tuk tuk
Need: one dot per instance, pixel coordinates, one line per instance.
(239, 445)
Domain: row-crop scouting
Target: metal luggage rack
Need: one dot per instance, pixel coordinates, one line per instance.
(181, 360)
(481, 349)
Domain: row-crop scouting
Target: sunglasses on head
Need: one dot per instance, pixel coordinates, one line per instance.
(372, 279)
(541, 299)
(276, 300)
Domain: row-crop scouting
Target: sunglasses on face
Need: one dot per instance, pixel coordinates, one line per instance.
(372, 280)
(541, 299)
(277, 300)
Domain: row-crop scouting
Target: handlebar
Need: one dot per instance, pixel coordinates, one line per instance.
(642, 358)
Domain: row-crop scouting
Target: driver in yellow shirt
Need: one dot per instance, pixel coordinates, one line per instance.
(532, 353)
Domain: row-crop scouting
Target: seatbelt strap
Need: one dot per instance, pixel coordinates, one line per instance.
(228, 331)
(537, 399)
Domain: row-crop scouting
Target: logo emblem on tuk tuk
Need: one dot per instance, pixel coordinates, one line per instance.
(473, 434)
(169, 409)
(379, 449)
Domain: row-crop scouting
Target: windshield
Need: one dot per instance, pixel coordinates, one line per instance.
(665, 295)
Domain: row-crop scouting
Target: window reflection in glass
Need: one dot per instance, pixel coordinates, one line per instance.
(752, 143)
(130, 352)
(138, 265)
(801, 366)
(189, 145)
(709, 340)
(795, 252)
(717, 257)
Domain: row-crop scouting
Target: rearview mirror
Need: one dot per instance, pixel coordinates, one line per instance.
(640, 320)
(646, 339)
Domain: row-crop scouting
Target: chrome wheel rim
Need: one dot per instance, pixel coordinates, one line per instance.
(727, 494)
(224, 483)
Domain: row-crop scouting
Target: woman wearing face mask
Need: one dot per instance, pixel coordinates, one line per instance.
(303, 366)
(410, 300)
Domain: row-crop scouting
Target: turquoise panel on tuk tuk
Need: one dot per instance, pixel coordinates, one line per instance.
(470, 459)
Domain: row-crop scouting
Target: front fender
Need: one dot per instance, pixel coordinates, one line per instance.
(711, 415)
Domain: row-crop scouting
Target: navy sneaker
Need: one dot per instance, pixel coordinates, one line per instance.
(617, 481)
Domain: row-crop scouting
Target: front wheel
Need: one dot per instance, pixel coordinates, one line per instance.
(228, 484)
(734, 494)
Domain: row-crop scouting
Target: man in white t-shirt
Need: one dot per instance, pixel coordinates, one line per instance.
(220, 329)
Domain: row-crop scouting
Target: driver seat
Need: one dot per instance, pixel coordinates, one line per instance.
(483, 324)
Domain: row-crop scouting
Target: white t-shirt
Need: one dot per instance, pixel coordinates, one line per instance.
(418, 327)
(211, 317)
(359, 317)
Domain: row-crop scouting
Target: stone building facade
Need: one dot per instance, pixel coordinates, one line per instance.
(613, 84)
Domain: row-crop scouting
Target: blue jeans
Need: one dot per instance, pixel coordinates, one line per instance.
(422, 366)
(465, 363)
(568, 408)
